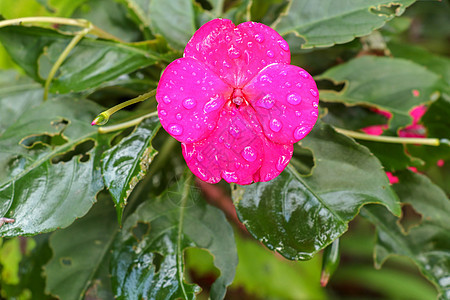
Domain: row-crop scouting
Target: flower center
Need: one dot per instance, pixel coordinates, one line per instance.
(238, 97)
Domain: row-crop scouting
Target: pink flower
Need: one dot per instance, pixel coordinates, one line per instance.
(235, 103)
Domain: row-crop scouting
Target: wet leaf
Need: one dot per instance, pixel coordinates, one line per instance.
(323, 23)
(382, 82)
(299, 215)
(426, 244)
(147, 259)
(89, 64)
(50, 166)
(79, 250)
(125, 164)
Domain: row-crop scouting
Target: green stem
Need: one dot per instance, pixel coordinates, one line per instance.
(103, 117)
(61, 59)
(390, 139)
(63, 21)
(127, 124)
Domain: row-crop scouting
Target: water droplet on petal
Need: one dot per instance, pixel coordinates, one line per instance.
(234, 131)
(199, 157)
(179, 116)
(266, 102)
(304, 74)
(197, 126)
(238, 100)
(166, 99)
(202, 174)
(265, 78)
(221, 139)
(233, 52)
(315, 104)
(249, 154)
(175, 129)
(300, 132)
(275, 125)
(259, 38)
(314, 113)
(250, 44)
(223, 113)
(297, 113)
(210, 126)
(189, 103)
(282, 163)
(228, 38)
(270, 53)
(299, 85)
(283, 45)
(229, 176)
(294, 99)
(163, 112)
(212, 104)
(313, 92)
(287, 84)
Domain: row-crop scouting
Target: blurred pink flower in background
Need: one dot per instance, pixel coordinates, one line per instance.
(235, 103)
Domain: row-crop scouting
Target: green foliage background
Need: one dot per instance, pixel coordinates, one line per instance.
(111, 214)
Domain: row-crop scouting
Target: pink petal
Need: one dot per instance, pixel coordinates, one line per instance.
(374, 129)
(392, 178)
(237, 54)
(236, 151)
(286, 100)
(417, 112)
(190, 97)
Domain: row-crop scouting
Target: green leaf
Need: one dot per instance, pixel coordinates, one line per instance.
(125, 164)
(17, 94)
(382, 82)
(299, 215)
(174, 20)
(323, 23)
(89, 64)
(426, 244)
(50, 166)
(147, 259)
(79, 250)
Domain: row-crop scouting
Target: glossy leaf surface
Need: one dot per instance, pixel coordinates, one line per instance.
(89, 64)
(299, 215)
(426, 244)
(147, 259)
(125, 164)
(79, 250)
(368, 81)
(323, 23)
(49, 162)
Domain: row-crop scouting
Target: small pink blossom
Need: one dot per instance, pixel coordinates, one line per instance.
(235, 103)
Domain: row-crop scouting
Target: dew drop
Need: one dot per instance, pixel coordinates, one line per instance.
(297, 113)
(212, 104)
(270, 53)
(234, 131)
(249, 154)
(223, 113)
(210, 126)
(266, 102)
(228, 38)
(313, 92)
(166, 99)
(294, 99)
(229, 176)
(200, 157)
(283, 45)
(287, 84)
(315, 104)
(202, 173)
(314, 114)
(275, 125)
(238, 100)
(221, 139)
(250, 44)
(197, 126)
(304, 74)
(259, 38)
(175, 129)
(179, 116)
(299, 85)
(189, 103)
(163, 112)
(265, 78)
(233, 52)
(282, 163)
(300, 132)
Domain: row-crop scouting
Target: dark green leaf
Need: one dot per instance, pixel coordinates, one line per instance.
(89, 64)
(17, 94)
(147, 260)
(382, 82)
(124, 165)
(323, 23)
(50, 166)
(79, 250)
(299, 215)
(426, 244)
(174, 20)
